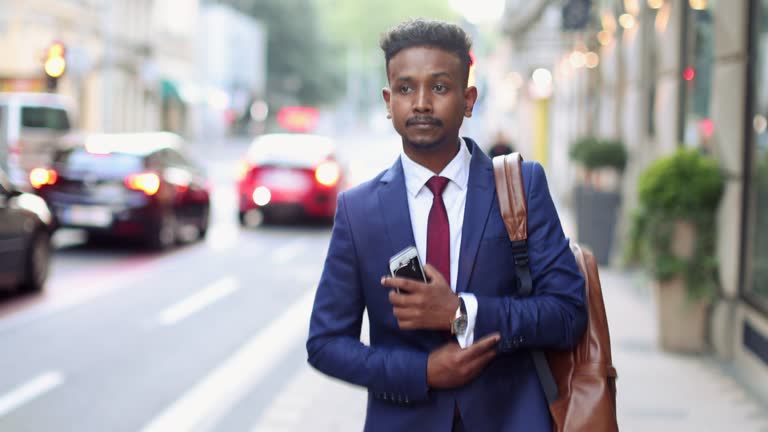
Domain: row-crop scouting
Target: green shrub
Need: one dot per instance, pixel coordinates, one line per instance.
(686, 185)
(683, 184)
(596, 153)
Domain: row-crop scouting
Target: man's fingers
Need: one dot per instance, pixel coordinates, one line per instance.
(477, 364)
(433, 275)
(482, 346)
(402, 284)
(400, 300)
(405, 314)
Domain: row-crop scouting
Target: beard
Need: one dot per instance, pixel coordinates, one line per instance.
(423, 144)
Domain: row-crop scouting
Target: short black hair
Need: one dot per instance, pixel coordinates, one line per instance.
(422, 32)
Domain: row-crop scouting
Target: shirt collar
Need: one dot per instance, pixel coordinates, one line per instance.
(457, 170)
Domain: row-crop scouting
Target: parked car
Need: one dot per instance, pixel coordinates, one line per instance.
(32, 126)
(25, 241)
(289, 175)
(127, 185)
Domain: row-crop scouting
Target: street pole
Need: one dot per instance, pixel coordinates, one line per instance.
(106, 66)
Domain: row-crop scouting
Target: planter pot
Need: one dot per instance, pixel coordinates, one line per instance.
(682, 322)
(596, 215)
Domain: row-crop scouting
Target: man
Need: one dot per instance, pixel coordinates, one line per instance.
(419, 376)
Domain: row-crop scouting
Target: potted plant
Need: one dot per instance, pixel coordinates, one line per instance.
(673, 237)
(595, 154)
(601, 163)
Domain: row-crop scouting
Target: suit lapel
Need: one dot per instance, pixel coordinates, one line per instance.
(393, 201)
(480, 192)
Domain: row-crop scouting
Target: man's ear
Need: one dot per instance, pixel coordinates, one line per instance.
(386, 93)
(470, 97)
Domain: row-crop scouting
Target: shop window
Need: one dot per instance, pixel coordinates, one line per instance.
(698, 65)
(757, 268)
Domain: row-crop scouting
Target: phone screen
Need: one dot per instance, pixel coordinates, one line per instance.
(411, 270)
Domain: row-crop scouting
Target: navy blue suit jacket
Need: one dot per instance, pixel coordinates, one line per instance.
(372, 224)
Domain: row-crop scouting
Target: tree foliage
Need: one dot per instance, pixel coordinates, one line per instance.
(358, 24)
(302, 64)
(313, 44)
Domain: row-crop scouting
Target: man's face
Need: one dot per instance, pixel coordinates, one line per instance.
(427, 98)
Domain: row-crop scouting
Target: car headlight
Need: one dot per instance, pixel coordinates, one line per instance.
(34, 204)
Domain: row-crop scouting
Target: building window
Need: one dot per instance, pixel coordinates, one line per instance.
(697, 68)
(757, 201)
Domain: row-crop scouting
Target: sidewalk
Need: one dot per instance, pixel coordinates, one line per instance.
(659, 391)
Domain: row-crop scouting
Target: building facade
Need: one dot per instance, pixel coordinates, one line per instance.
(693, 73)
(118, 53)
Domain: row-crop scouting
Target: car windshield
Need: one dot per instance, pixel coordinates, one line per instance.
(44, 118)
(111, 164)
(299, 150)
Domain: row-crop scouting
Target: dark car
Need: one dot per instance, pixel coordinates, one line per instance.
(288, 175)
(25, 241)
(137, 185)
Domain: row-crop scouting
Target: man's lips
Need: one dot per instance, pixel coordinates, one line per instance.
(423, 122)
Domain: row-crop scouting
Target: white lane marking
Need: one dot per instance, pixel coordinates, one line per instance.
(203, 405)
(198, 301)
(30, 390)
(288, 252)
(223, 236)
(310, 395)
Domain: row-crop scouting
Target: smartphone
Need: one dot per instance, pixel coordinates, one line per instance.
(407, 264)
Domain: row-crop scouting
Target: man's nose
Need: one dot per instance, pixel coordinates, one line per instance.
(423, 101)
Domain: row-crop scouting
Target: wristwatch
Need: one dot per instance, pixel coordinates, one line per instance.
(459, 322)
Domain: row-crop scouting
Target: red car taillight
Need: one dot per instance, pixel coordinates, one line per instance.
(149, 183)
(40, 177)
(328, 173)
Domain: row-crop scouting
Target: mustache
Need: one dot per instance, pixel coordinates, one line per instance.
(423, 120)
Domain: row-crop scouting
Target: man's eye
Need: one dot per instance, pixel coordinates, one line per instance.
(440, 88)
(405, 89)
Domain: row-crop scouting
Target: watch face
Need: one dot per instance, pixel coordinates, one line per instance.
(460, 325)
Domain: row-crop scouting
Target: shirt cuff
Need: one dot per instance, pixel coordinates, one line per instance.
(470, 302)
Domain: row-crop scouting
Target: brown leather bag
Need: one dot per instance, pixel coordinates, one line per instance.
(580, 384)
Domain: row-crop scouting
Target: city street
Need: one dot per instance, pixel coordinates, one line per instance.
(210, 336)
(196, 130)
(123, 339)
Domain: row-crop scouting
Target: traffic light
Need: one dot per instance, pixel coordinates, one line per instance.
(55, 64)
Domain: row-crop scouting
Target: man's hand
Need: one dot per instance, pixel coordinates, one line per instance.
(422, 306)
(450, 366)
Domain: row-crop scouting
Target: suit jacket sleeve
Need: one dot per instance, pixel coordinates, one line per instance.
(554, 316)
(334, 345)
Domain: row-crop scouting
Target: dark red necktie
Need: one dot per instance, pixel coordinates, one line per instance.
(438, 231)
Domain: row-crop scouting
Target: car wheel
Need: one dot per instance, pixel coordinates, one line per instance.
(37, 263)
(164, 235)
(202, 229)
(252, 218)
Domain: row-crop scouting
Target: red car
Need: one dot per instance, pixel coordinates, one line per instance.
(285, 176)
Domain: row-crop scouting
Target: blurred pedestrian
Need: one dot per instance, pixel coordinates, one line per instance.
(500, 146)
(439, 361)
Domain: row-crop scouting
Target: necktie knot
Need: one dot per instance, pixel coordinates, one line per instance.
(437, 185)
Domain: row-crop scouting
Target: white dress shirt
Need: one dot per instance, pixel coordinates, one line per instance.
(455, 198)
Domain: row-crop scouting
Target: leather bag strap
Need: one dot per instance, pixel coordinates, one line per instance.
(508, 175)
